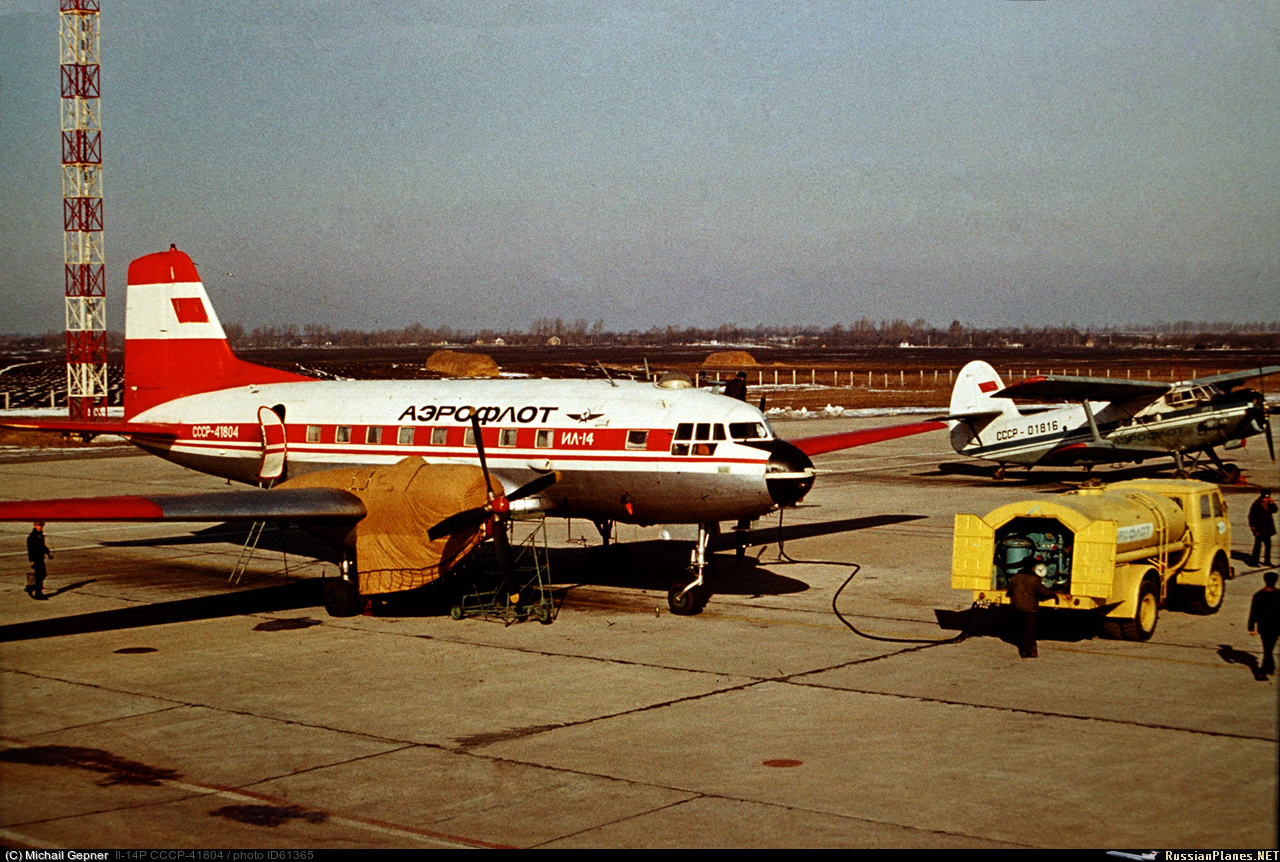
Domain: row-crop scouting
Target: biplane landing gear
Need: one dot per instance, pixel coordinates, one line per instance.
(998, 474)
(689, 599)
(1230, 473)
(342, 595)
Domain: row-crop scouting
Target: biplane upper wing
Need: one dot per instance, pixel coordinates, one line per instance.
(1064, 388)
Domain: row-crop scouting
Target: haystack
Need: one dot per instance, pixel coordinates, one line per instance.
(728, 359)
(451, 363)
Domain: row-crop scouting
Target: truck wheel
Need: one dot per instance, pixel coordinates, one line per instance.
(1208, 599)
(1143, 624)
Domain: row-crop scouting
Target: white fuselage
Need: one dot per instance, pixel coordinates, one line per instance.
(625, 451)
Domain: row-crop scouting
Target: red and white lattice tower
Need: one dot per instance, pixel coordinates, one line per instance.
(82, 211)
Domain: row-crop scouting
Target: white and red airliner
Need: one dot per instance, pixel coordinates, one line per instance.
(355, 460)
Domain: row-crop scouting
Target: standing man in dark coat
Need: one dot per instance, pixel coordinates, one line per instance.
(1264, 613)
(1025, 593)
(37, 550)
(737, 387)
(1262, 526)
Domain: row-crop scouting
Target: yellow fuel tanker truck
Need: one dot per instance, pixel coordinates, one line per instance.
(1123, 550)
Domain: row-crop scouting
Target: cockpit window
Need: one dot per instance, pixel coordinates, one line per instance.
(684, 431)
(746, 430)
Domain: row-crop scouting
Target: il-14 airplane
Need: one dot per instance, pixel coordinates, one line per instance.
(405, 475)
(1112, 421)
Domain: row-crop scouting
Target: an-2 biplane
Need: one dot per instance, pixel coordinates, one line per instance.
(405, 475)
(1110, 421)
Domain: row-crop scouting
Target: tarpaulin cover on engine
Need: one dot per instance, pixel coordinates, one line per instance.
(403, 501)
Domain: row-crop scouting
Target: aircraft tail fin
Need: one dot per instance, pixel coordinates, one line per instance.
(174, 344)
(972, 395)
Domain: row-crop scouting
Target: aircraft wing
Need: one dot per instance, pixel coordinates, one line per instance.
(1064, 388)
(302, 504)
(849, 439)
(1094, 453)
(1227, 382)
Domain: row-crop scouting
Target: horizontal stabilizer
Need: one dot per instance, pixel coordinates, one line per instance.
(849, 439)
(302, 504)
(970, 414)
(67, 426)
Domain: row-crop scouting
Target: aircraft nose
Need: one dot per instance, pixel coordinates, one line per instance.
(788, 473)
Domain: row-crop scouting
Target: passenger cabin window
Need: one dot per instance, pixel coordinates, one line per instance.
(637, 439)
(507, 438)
(313, 433)
(373, 434)
(439, 436)
(469, 439)
(343, 434)
(542, 440)
(406, 436)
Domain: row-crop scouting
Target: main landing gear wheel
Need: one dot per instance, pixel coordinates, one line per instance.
(686, 603)
(341, 598)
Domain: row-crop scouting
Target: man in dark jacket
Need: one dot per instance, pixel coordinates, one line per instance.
(1025, 592)
(37, 550)
(737, 387)
(1262, 526)
(1264, 613)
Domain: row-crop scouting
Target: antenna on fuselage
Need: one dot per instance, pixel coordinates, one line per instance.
(606, 373)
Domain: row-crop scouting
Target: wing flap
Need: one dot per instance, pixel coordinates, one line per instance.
(301, 504)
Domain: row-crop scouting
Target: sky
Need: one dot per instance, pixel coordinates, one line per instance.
(485, 164)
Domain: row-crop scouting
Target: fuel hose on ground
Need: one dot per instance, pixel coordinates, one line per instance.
(782, 555)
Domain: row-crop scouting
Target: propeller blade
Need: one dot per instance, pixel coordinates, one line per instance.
(467, 519)
(1266, 428)
(484, 466)
(528, 489)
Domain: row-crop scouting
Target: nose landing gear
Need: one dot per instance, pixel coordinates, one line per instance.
(690, 599)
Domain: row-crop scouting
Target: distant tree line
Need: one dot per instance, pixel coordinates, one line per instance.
(860, 333)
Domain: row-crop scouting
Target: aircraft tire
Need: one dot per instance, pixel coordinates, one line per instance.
(686, 604)
(341, 598)
(1143, 624)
